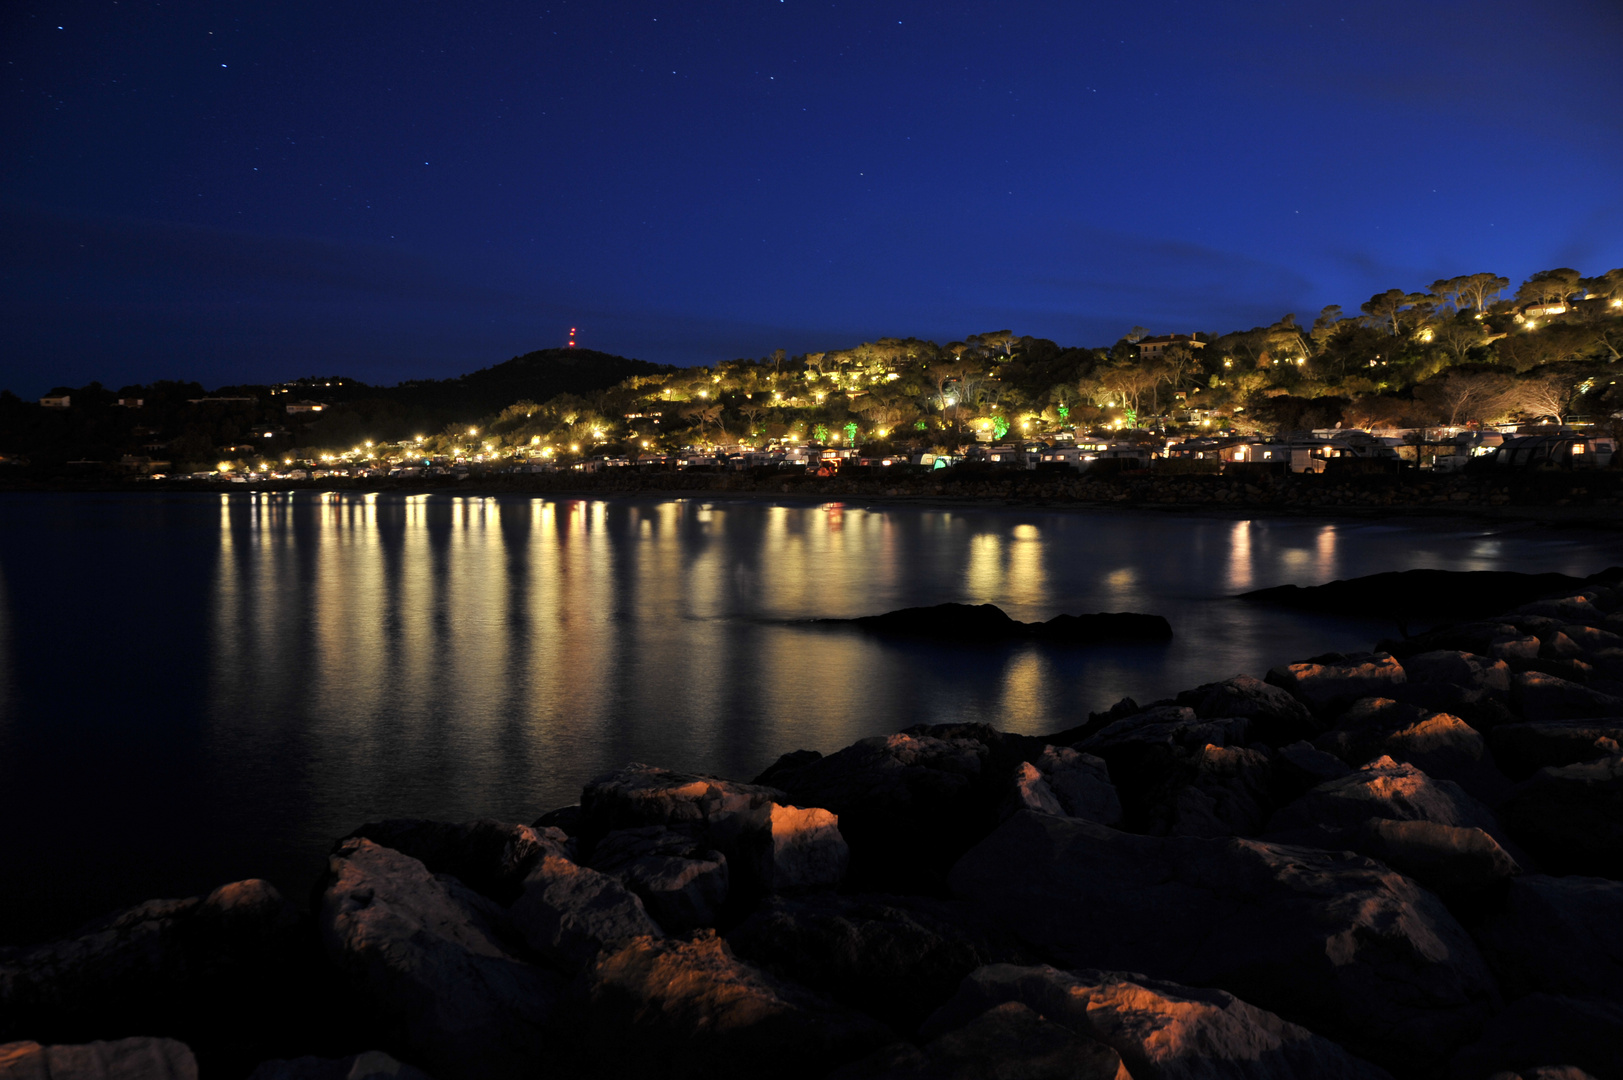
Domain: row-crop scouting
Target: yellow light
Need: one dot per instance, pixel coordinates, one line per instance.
(597, 433)
(419, 438)
(473, 431)
(287, 461)
(224, 466)
(535, 440)
(369, 442)
(1532, 324)
(574, 447)
(645, 444)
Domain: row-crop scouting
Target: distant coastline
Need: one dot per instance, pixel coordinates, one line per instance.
(1582, 499)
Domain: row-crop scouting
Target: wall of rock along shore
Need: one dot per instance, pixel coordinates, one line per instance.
(1403, 863)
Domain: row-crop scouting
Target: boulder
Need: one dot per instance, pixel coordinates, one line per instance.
(372, 1065)
(1540, 697)
(896, 958)
(769, 843)
(908, 805)
(1162, 1030)
(1571, 818)
(231, 974)
(1364, 726)
(1522, 749)
(121, 1059)
(1216, 791)
(1029, 790)
(988, 623)
(1543, 1030)
(682, 884)
(1166, 726)
(1454, 667)
(1008, 1040)
(1302, 766)
(429, 958)
(1567, 609)
(1447, 748)
(1153, 754)
(1081, 784)
(1381, 789)
(569, 913)
(1330, 683)
(1276, 717)
(1557, 935)
(1329, 940)
(1451, 861)
(489, 857)
(666, 1007)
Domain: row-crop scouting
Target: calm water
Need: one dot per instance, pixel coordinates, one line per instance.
(197, 688)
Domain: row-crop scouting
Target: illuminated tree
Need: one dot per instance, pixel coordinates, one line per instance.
(1549, 286)
(1460, 397)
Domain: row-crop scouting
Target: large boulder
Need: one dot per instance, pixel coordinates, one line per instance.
(1080, 783)
(1454, 667)
(682, 884)
(1276, 717)
(568, 913)
(1543, 1030)
(1329, 684)
(908, 804)
(1453, 862)
(430, 960)
(490, 857)
(1522, 749)
(1571, 818)
(1329, 940)
(1540, 697)
(1008, 1040)
(138, 1058)
(1446, 747)
(667, 1007)
(1557, 935)
(1162, 1030)
(231, 974)
(896, 958)
(769, 843)
(1381, 789)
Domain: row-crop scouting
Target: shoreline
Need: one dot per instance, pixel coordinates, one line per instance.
(1557, 500)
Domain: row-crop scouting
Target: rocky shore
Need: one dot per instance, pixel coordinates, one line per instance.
(1403, 863)
(1580, 497)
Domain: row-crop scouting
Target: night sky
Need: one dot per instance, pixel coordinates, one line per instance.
(247, 192)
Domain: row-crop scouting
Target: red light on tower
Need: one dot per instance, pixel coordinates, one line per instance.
(571, 337)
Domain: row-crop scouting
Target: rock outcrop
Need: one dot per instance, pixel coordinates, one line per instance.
(118, 1059)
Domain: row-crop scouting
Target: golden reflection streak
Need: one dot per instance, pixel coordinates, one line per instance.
(1239, 569)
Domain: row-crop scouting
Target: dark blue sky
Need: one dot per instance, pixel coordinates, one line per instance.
(251, 192)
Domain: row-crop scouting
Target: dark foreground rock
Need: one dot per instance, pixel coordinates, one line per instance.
(371, 1065)
(691, 1008)
(1332, 941)
(121, 1059)
(1162, 1030)
(1571, 818)
(983, 623)
(431, 960)
(1545, 1030)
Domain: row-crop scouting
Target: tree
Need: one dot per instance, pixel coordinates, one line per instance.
(1548, 394)
(1129, 383)
(1549, 286)
(1480, 290)
(1460, 335)
(1387, 308)
(1608, 286)
(1460, 397)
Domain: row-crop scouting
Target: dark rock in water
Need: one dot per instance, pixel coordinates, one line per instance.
(897, 958)
(489, 857)
(1522, 749)
(975, 623)
(1542, 1031)
(566, 818)
(231, 974)
(1329, 940)
(1409, 594)
(122, 1059)
(691, 1008)
(1007, 1040)
(372, 1065)
(428, 959)
(1557, 935)
(1162, 1030)
(1571, 818)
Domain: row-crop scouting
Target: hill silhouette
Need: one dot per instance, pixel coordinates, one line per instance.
(535, 376)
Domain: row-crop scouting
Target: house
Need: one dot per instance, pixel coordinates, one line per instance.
(305, 406)
(60, 402)
(132, 402)
(1151, 348)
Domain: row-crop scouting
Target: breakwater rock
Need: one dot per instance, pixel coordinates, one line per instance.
(1403, 863)
(976, 624)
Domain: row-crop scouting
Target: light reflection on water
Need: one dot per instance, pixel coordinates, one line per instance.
(325, 660)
